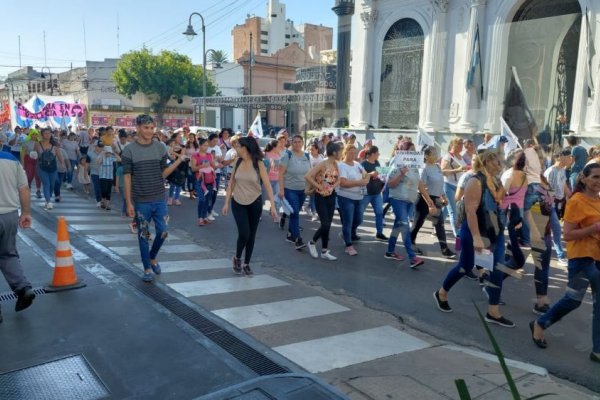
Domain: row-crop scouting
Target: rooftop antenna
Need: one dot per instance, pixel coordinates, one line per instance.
(118, 43)
(19, 50)
(45, 59)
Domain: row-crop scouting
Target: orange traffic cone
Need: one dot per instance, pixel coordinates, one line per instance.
(64, 270)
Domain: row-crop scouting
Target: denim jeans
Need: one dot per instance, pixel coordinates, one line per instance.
(191, 181)
(352, 213)
(583, 272)
(296, 199)
(531, 197)
(174, 191)
(450, 192)
(203, 200)
(70, 173)
(402, 211)
(58, 183)
(48, 181)
(96, 185)
(466, 262)
(376, 202)
(145, 214)
(213, 192)
(313, 205)
(275, 187)
(556, 234)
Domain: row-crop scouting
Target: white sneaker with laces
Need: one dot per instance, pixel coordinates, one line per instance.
(563, 262)
(328, 256)
(99, 204)
(312, 249)
(214, 214)
(49, 206)
(210, 218)
(315, 217)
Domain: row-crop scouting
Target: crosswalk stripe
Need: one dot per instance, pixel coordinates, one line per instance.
(340, 351)
(165, 249)
(279, 311)
(226, 285)
(75, 210)
(96, 218)
(100, 227)
(124, 237)
(192, 265)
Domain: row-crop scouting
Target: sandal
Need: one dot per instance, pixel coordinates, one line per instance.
(541, 343)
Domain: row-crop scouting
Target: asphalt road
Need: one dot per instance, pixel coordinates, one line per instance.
(393, 287)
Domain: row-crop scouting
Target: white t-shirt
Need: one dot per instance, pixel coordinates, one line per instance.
(533, 168)
(352, 173)
(230, 155)
(217, 156)
(453, 163)
(315, 160)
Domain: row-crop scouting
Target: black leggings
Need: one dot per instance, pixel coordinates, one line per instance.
(106, 188)
(246, 218)
(325, 206)
(421, 212)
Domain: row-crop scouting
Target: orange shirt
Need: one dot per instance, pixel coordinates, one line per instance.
(583, 212)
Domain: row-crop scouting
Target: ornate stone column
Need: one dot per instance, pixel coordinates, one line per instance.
(595, 121)
(437, 64)
(368, 17)
(467, 117)
(344, 9)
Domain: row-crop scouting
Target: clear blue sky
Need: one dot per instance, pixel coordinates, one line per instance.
(156, 23)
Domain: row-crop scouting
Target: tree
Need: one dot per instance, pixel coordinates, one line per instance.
(163, 76)
(217, 57)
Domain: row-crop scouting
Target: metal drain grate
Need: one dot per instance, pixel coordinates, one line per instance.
(6, 296)
(67, 378)
(246, 354)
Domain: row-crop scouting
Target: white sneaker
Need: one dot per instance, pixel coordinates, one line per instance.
(210, 218)
(48, 206)
(312, 249)
(99, 204)
(214, 214)
(315, 217)
(563, 262)
(69, 186)
(45, 206)
(328, 256)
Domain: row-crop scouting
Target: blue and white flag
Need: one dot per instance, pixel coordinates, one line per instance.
(256, 128)
(475, 75)
(512, 140)
(424, 138)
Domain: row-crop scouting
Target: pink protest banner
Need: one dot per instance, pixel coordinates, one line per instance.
(52, 110)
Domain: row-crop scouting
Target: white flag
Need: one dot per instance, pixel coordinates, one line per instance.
(513, 141)
(424, 138)
(256, 128)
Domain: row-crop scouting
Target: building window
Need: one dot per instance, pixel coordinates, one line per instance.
(287, 36)
(264, 51)
(401, 72)
(264, 42)
(287, 44)
(264, 33)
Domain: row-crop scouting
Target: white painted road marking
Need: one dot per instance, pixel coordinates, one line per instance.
(192, 265)
(340, 351)
(165, 249)
(100, 227)
(226, 285)
(279, 311)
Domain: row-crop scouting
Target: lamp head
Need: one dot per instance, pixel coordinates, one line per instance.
(190, 32)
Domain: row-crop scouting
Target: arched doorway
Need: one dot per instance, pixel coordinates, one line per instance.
(401, 71)
(541, 67)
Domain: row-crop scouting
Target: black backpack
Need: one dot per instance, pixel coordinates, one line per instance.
(47, 160)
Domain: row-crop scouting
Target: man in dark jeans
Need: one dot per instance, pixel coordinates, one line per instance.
(144, 171)
(14, 195)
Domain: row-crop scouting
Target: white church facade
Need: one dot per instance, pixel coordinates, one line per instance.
(411, 64)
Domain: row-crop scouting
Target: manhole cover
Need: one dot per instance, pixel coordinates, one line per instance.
(68, 378)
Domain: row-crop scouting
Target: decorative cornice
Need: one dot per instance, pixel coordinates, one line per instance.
(441, 5)
(477, 3)
(369, 17)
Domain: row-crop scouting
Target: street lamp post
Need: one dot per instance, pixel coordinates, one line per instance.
(190, 33)
(51, 83)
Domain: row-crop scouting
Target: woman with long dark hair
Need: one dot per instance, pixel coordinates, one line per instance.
(325, 178)
(244, 192)
(582, 234)
(47, 164)
(191, 148)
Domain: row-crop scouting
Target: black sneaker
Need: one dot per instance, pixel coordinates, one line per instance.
(247, 270)
(355, 238)
(539, 310)
(25, 297)
(443, 306)
(448, 254)
(290, 239)
(418, 251)
(381, 236)
(38, 194)
(237, 265)
(300, 244)
(282, 221)
(499, 321)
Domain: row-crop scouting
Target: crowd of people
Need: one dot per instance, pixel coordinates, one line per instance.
(500, 206)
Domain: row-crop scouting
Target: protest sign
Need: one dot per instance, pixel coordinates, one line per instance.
(410, 159)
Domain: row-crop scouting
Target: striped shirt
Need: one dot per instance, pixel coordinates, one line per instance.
(107, 167)
(145, 163)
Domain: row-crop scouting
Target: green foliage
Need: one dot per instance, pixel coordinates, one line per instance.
(461, 385)
(163, 76)
(217, 57)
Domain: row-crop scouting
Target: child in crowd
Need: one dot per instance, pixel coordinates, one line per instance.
(83, 174)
